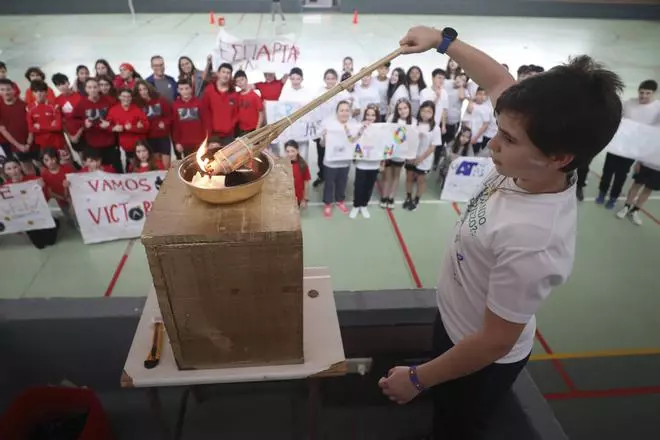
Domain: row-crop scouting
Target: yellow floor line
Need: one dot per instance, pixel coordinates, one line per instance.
(597, 354)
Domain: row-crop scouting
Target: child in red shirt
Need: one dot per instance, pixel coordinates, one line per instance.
(44, 119)
(3, 75)
(144, 160)
(159, 112)
(14, 130)
(271, 89)
(250, 106)
(130, 122)
(127, 77)
(220, 106)
(301, 174)
(188, 131)
(93, 162)
(107, 88)
(54, 177)
(67, 101)
(36, 74)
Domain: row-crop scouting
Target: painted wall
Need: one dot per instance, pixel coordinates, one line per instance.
(640, 9)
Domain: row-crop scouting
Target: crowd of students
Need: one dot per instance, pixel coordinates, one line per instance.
(109, 116)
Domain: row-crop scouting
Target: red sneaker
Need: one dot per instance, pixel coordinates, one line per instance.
(342, 207)
(327, 211)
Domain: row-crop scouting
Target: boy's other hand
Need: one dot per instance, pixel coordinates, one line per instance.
(420, 39)
(88, 123)
(37, 126)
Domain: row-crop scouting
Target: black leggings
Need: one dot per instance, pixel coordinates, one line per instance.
(320, 155)
(364, 187)
(41, 238)
(617, 167)
(462, 408)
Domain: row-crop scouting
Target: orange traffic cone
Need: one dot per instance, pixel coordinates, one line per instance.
(355, 16)
(211, 18)
(221, 21)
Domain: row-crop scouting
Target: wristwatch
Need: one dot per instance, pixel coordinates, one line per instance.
(448, 37)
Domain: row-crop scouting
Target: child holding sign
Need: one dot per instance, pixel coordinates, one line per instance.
(366, 172)
(144, 160)
(418, 168)
(403, 116)
(54, 175)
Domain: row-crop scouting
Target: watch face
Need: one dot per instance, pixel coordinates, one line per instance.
(449, 33)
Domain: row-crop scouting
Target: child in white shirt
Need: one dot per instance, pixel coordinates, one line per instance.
(482, 118)
(439, 96)
(367, 93)
(396, 90)
(403, 116)
(418, 168)
(366, 172)
(416, 84)
(382, 82)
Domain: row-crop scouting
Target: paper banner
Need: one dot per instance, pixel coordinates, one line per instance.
(303, 129)
(464, 178)
(23, 208)
(113, 206)
(378, 142)
(637, 141)
(276, 55)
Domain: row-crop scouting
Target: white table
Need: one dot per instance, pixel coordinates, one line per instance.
(322, 348)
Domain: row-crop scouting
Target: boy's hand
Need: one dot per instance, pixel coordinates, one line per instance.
(88, 123)
(128, 126)
(104, 124)
(161, 125)
(37, 126)
(474, 140)
(397, 386)
(118, 128)
(638, 167)
(23, 148)
(420, 39)
(303, 204)
(140, 124)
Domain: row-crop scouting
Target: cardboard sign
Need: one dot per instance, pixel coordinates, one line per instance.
(23, 208)
(464, 178)
(113, 206)
(304, 129)
(377, 142)
(266, 55)
(637, 141)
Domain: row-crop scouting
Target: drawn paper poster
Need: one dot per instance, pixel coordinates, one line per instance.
(276, 55)
(464, 178)
(637, 141)
(303, 129)
(23, 208)
(113, 206)
(377, 142)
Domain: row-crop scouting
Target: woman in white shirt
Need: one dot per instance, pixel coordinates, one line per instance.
(396, 90)
(416, 85)
(402, 116)
(336, 171)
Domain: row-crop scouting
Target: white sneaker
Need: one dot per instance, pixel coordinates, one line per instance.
(623, 212)
(354, 213)
(365, 212)
(636, 218)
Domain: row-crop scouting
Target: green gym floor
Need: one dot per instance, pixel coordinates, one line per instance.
(598, 352)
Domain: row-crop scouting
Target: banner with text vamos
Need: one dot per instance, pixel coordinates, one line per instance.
(113, 206)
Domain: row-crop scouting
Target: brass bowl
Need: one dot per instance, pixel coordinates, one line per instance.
(229, 194)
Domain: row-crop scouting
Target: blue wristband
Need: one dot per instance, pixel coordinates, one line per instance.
(412, 374)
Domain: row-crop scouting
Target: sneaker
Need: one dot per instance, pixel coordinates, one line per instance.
(611, 203)
(408, 203)
(623, 212)
(414, 204)
(383, 202)
(390, 203)
(600, 199)
(317, 182)
(327, 211)
(354, 213)
(636, 218)
(342, 207)
(579, 192)
(365, 212)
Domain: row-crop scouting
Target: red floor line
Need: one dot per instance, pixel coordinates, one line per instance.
(404, 249)
(648, 214)
(120, 266)
(594, 394)
(556, 363)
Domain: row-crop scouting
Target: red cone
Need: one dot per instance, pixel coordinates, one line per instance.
(355, 16)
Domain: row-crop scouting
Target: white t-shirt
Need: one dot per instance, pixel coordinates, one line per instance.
(390, 119)
(481, 114)
(428, 138)
(648, 114)
(329, 108)
(301, 95)
(491, 131)
(510, 249)
(400, 93)
(441, 104)
(454, 105)
(382, 92)
(472, 88)
(368, 95)
(333, 124)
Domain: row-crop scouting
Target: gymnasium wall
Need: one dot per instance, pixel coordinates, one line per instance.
(627, 9)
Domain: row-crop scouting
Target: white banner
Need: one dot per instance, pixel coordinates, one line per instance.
(23, 208)
(303, 129)
(637, 141)
(464, 178)
(276, 55)
(113, 206)
(377, 142)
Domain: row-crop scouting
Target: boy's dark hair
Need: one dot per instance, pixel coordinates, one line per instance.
(524, 70)
(348, 58)
(296, 71)
(184, 82)
(331, 72)
(155, 57)
(580, 120)
(36, 70)
(38, 86)
(649, 84)
(59, 79)
(345, 76)
(3, 65)
(533, 68)
(124, 90)
(50, 151)
(226, 66)
(480, 89)
(438, 72)
(240, 74)
(92, 153)
(6, 82)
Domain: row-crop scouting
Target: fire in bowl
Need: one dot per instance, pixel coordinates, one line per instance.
(238, 186)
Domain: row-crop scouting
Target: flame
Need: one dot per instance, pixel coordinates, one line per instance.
(202, 161)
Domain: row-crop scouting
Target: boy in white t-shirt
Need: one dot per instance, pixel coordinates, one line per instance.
(516, 239)
(482, 120)
(382, 82)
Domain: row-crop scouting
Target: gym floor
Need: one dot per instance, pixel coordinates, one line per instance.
(598, 349)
